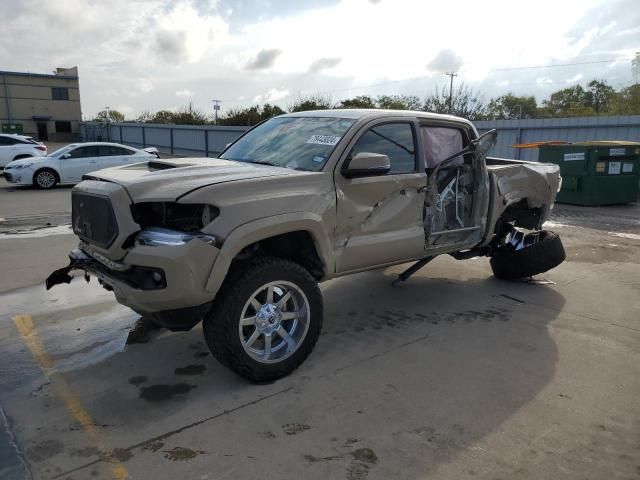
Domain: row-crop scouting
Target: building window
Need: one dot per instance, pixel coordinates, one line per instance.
(63, 127)
(60, 93)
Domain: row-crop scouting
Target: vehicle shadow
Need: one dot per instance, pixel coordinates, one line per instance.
(455, 358)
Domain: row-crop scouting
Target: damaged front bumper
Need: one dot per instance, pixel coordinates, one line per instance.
(163, 282)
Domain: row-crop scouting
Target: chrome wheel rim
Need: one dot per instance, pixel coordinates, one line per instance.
(274, 322)
(46, 179)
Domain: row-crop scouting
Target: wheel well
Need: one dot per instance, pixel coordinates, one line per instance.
(522, 215)
(46, 168)
(298, 247)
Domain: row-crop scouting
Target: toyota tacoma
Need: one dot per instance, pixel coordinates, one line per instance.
(240, 242)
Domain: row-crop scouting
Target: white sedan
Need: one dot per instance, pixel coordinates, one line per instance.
(68, 164)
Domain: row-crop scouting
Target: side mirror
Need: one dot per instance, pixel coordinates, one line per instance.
(366, 164)
(66, 155)
(486, 142)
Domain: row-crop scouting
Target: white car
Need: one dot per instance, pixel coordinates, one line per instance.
(68, 164)
(15, 147)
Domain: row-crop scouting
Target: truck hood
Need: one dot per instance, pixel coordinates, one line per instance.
(169, 179)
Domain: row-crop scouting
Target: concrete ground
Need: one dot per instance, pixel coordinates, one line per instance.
(453, 375)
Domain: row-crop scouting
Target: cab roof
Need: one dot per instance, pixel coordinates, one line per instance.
(357, 114)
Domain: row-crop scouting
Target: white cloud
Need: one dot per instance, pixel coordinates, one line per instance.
(144, 85)
(184, 93)
(272, 95)
(543, 81)
(576, 78)
(127, 110)
(148, 51)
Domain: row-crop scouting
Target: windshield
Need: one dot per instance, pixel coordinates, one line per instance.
(300, 143)
(62, 151)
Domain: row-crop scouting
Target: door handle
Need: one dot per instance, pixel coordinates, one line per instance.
(92, 161)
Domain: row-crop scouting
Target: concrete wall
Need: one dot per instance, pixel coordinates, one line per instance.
(210, 140)
(24, 96)
(576, 129)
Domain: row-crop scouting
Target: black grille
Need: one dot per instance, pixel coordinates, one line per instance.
(93, 219)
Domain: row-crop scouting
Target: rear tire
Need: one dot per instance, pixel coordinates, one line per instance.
(510, 264)
(45, 179)
(266, 318)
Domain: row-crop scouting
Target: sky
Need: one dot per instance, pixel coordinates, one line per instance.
(147, 55)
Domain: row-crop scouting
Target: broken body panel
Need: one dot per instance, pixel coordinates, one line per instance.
(354, 224)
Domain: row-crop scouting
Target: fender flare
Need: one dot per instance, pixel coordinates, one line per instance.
(267, 227)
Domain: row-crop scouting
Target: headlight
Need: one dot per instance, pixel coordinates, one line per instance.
(23, 165)
(180, 217)
(156, 237)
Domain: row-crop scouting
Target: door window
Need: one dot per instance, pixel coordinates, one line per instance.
(111, 151)
(395, 140)
(84, 152)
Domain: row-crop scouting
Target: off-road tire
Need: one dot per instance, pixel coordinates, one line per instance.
(42, 185)
(221, 324)
(510, 264)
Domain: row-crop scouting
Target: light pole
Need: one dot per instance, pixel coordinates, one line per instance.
(451, 74)
(216, 107)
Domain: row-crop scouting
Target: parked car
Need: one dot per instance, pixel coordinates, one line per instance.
(15, 147)
(68, 164)
(242, 241)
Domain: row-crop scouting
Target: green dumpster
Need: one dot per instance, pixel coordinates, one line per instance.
(596, 173)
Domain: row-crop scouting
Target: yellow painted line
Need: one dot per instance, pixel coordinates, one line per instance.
(27, 329)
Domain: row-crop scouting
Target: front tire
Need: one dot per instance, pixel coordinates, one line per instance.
(511, 264)
(45, 179)
(266, 318)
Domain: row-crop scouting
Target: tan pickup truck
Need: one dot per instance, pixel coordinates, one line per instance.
(241, 241)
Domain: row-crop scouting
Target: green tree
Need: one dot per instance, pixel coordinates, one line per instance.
(510, 106)
(188, 115)
(398, 102)
(109, 116)
(311, 102)
(361, 101)
(269, 111)
(599, 96)
(570, 101)
(627, 101)
(249, 116)
(145, 117)
(465, 102)
(162, 116)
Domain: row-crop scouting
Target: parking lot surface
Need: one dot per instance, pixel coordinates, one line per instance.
(452, 375)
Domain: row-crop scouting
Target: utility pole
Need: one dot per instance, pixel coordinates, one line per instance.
(451, 74)
(216, 107)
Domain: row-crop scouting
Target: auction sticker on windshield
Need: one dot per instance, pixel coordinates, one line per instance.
(329, 140)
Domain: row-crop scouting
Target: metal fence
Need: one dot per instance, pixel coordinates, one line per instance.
(206, 140)
(577, 129)
(197, 140)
